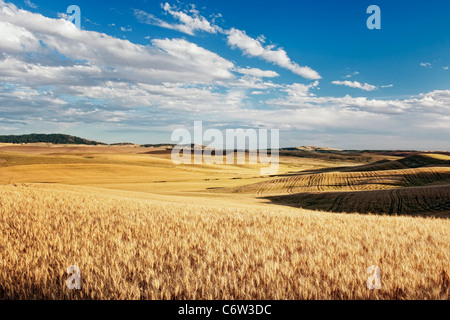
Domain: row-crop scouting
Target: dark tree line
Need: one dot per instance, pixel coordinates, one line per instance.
(48, 138)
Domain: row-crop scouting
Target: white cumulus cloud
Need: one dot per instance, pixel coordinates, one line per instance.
(351, 75)
(355, 84)
(257, 72)
(30, 4)
(254, 48)
(188, 23)
(54, 76)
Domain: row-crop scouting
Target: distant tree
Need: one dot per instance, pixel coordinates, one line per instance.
(47, 138)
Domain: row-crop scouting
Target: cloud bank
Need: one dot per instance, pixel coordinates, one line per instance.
(55, 77)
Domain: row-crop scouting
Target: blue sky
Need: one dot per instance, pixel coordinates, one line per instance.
(137, 70)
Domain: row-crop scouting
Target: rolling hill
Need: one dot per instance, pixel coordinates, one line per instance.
(425, 201)
(140, 227)
(415, 185)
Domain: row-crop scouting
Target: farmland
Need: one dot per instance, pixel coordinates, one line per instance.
(139, 227)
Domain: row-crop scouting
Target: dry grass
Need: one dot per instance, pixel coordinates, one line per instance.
(131, 248)
(139, 171)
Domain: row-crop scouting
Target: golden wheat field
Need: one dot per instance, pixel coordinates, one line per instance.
(138, 228)
(143, 249)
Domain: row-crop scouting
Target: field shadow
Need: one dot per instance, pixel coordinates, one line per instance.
(431, 201)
